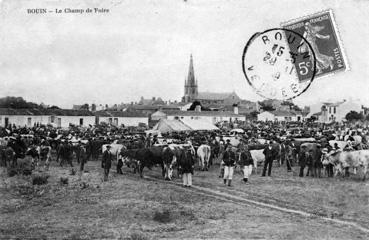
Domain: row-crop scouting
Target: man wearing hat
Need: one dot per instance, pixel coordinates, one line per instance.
(106, 162)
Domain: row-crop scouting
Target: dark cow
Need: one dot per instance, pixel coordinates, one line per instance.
(146, 157)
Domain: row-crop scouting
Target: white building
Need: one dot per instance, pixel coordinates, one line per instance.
(327, 112)
(118, 118)
(280, 116)
(212, 117)
(57, 117)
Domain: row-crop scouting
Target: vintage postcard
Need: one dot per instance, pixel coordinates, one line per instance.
(184, 119)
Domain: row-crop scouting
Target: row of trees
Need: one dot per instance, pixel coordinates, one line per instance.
(19, 102)
(353, 116)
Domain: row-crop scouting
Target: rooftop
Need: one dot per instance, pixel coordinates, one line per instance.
(213, 95)
(202, 113)
(45, 112)
(119, 114)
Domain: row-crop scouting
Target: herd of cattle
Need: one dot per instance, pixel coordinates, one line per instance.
(340, 154)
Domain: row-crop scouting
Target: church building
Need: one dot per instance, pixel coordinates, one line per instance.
(191, 93)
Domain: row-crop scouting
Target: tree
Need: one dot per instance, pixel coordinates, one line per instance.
(254, 114)
(354, 116)
(85, 106)
(296, 108)
(16, 102)
(196, 103)
(54, 107)
(266, 107)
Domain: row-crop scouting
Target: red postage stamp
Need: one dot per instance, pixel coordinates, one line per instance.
(321, 32)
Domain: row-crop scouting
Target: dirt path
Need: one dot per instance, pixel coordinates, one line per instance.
(245, 201)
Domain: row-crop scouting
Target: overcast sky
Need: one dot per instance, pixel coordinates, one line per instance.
(142, 48)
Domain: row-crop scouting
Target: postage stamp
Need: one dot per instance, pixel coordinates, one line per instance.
(275, 66)
(321, 32)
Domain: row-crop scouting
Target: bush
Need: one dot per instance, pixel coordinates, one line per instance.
(12, 171)
(163, 217)
(64, 180)
(40, 179)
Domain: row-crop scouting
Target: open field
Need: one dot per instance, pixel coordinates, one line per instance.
(127, 207)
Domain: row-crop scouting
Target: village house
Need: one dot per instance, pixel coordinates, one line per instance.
(281, 116)
(327, 112)
(212, 117)
(62, 118)
(118, 118)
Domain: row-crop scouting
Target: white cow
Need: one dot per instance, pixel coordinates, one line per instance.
(258, 157)
(203, 153)
(354, 159)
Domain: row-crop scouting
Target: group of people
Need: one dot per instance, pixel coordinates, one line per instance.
(47, 138)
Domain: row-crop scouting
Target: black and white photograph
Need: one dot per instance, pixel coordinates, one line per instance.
(184, 119)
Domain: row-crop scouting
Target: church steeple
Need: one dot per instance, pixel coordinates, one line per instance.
(191, 74)
(190, 84)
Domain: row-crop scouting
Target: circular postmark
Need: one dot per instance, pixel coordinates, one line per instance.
(279, 63)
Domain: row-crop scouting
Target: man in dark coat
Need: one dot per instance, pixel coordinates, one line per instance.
(106, 162)
(270, 155)
(318, 162)
(83, 157)
(246, 163)
(229, 161)
(186, 165)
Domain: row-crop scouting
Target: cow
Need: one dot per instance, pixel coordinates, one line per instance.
(203, 153)
(8, 157)
(45, 155)
(178, 151)
(169, 157)
(34, 152)
(258, 157)
(148, 157)
(345, 160)
(315, 151)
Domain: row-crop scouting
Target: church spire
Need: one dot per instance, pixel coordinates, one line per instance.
(191, 74)
(191, 91)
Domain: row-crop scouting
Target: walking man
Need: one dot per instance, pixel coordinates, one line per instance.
(229, 159)
(106, 162)
(270, 155)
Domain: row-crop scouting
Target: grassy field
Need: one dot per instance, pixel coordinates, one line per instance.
(127, 207)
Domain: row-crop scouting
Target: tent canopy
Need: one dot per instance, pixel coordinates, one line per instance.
(165, 125)
(197, 125)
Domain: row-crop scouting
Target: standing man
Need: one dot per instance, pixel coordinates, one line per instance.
(270, 155)
(282, 156)
(318, 162)
(106, 162)
(310, 163)
(186, 166)
(229, 159)
(246, 162)
(302, 160)
(83, 157)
